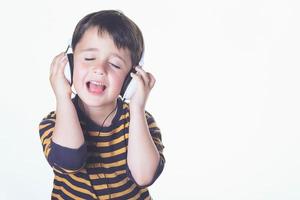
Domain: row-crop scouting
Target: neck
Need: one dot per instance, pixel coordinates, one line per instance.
(100, 113)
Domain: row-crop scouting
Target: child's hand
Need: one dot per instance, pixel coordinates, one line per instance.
(59, 83)
(145, 82)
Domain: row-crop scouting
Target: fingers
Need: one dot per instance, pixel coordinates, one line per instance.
(145, 77)
(152, 80)
(58, 63)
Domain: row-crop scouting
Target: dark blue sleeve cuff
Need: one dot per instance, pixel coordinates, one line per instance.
(67, 158)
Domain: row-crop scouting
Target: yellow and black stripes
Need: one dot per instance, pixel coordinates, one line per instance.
(98, 169)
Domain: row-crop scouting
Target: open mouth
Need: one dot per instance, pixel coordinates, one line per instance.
(95, 87)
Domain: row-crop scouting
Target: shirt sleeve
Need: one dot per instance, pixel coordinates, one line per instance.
(61, 159)
(156, 137)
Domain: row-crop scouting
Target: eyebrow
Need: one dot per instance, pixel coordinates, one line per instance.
(119, 57)
(89, 49)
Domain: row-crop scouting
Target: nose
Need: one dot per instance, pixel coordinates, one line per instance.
(99, 69)
(98, 72)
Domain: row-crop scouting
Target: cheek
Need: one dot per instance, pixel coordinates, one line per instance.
(119, 80)
(79, 73)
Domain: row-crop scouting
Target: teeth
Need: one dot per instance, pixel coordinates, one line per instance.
(96, 83)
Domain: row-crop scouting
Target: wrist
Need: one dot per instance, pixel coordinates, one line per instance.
(63, 96)
(63, 100)
(136, 109)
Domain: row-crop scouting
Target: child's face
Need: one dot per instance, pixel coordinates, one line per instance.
(99, 68)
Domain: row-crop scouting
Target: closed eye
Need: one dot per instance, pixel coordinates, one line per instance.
(89, 59)
(116, 66)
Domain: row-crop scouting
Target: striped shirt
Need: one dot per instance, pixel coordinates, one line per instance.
(98, 169)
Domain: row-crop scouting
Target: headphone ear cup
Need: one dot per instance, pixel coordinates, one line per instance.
(128, 80)
(69, 68)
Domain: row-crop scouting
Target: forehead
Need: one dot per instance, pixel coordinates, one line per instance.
(101, 41)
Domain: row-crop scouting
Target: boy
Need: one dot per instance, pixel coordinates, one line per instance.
(99, 146)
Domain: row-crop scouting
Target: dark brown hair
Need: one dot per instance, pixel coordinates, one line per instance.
(124, 32)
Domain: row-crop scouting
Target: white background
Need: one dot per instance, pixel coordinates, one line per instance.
(226, 99)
